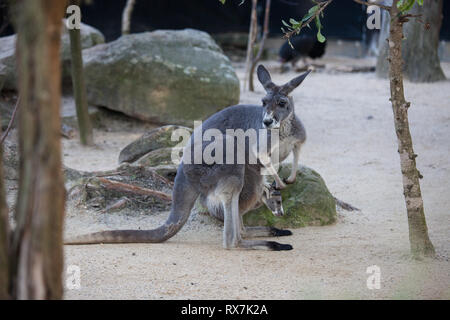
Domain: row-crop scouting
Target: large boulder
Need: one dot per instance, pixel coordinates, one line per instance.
(164, 76)
(307, 202)
(89, 38)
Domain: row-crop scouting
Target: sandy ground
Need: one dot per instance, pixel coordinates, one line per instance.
(352, 144)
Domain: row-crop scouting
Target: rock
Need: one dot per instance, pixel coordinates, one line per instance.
(159, 157)
(164, 76)
(155, 139)
(89, 38)
(8, 60)
(307, 202)
(2, 76)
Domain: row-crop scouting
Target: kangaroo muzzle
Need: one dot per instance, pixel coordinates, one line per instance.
(269, 122)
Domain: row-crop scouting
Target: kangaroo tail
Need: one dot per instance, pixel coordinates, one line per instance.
(183, 200)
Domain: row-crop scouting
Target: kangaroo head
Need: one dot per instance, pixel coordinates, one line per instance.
(277, 103)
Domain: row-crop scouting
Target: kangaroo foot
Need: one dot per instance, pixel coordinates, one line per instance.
(275, 246)
(279, 232)
(262, 244)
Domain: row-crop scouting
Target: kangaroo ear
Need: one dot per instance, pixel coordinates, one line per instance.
(264, 78)
(294, 83)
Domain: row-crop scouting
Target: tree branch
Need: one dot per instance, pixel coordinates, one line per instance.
(375, 3)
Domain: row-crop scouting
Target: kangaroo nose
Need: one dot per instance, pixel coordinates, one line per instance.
(268, 122)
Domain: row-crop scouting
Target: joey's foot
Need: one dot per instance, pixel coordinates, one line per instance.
(279, 232)
(275, 246)
(280, 186)
(288, 181)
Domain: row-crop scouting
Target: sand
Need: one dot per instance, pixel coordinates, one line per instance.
(352, 144)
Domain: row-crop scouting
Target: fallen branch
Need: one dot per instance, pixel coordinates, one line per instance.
(128, 188)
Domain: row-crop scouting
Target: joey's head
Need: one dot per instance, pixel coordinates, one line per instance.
(277, 103)
(272, 199)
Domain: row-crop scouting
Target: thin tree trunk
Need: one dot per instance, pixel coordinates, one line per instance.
(420, 45)
(37, 244)
(4, 236)
(261, 46)
(418, 231)
(251, 41)
(126, 16)
(79, 87)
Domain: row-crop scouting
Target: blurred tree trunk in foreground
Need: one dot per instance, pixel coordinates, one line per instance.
(37, 244)
(418, 231)
(420, 46)
(126, 16)
(79, 87)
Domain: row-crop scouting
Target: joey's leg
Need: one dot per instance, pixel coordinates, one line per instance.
(294, 168)
(265, 160)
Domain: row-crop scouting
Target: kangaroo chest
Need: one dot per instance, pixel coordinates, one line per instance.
(287, 140)
(285, 147)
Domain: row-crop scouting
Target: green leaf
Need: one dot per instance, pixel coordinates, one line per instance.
(285, 23)
(222, 1)
(405, 5)
(420, 2)
(320, 37)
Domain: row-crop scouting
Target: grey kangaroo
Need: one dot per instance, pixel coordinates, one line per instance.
(234, 188)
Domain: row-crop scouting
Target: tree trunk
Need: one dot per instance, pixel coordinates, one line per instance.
(261, 46)
(420, 47)
(418, 232)
(4, 236)
(37, 243)
(126, 16)
(79, 87)
(251, 41)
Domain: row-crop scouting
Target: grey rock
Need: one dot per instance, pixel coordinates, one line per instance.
(164, 76)
(89, 38)
(158, 138)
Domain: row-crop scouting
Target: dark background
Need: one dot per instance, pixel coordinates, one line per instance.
(344, 19)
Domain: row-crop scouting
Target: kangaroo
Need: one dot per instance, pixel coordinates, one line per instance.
(235, 188)
(270, 197)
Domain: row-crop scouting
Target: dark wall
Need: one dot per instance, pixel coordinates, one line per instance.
(343, 18)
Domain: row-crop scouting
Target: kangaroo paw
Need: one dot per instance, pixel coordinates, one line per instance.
(280, 233)
(275, 246)
(288, 181)
(280, 186)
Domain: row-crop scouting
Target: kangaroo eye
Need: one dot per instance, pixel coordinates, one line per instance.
(282, 103)
(264, 102)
